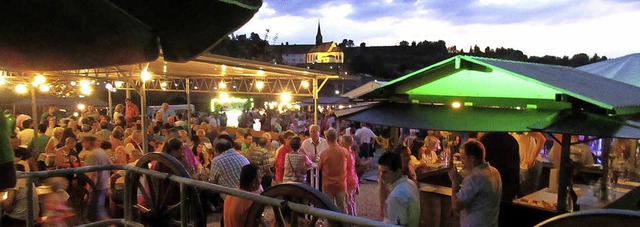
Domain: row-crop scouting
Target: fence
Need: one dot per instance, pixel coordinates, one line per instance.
(183, 182)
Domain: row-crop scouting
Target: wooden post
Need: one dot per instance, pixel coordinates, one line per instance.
(606, 150)
(564, 173)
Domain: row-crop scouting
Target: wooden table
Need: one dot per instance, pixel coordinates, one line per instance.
(435, 207)
(586, 198)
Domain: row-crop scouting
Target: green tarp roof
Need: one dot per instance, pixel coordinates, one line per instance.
(443, 117)
(498, 81)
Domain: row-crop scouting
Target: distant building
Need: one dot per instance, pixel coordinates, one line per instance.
(321, 55)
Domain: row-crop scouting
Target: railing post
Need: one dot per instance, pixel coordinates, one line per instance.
(183, 205)
(30, 202)
(127, 202)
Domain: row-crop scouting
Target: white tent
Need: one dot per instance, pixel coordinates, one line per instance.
(625, 69)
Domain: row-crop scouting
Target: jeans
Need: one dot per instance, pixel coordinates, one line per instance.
(530, 178)
(96, 209)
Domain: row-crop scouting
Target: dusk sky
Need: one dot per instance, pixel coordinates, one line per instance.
(536, 27)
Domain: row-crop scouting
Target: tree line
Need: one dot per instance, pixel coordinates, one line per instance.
(390, 62)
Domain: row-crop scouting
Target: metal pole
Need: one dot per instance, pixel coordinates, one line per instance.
(30, 202)
(565, 173)
(606, 150)
(36, 120)
(183, 206)
(143, 117)
(110, 110)
(127, 202)
(315, 101)
(188, 90)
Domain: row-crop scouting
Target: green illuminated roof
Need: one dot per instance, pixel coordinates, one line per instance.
(497, 83)
(470, 83)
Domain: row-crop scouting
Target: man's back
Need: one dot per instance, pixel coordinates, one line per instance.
(334, 158)
(97, 157)
(403, 204)
(364, 134)
(482, 200)
(226, 168)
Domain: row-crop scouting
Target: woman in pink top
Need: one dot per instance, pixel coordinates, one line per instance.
(352, 176)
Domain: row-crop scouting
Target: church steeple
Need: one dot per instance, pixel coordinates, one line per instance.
(318, 36)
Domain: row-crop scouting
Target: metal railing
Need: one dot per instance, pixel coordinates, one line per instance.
(128, 220)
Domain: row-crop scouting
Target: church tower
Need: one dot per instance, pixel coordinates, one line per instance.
(318, 36)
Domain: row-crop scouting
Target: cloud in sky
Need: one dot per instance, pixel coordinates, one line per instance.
(537, 27)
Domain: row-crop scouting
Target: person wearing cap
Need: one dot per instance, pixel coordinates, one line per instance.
(95, 156)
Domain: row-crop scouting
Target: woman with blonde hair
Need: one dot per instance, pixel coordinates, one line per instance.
(431, 144)
(117, 112)
(50, 148)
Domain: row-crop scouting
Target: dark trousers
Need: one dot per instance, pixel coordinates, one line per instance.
(365, 150)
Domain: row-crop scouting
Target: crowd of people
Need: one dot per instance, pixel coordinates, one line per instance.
(286, 150)
(214, 153)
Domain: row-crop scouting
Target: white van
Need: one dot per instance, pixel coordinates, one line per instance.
(151, 110)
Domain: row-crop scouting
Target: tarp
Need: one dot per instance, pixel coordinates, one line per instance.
(625, 69)
(78, 34)
(577, 122)
(419, 116)
(357, 92)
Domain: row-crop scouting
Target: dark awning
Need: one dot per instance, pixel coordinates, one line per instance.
(79, 34)
(447, 118)
(585, 123)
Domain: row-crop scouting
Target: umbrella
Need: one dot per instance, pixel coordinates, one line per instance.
(78, 34)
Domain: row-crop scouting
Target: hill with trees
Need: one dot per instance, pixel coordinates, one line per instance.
(390, 62)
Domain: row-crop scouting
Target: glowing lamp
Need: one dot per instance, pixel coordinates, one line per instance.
(38, 80)
(222, 85)
(84, 83)
(259, 84)
(456, 105)
(86, 90)
(108, 86)
(285, 97)
(305, 84)
(81, 106)
(45, 88)
(145, 75)
(21, 89)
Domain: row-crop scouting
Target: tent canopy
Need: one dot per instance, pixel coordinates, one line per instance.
(78, 34)
(499, 95)
(443, 117)
(585, 123)
(625, 69)
(492, 82)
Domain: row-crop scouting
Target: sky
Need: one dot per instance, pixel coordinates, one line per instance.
(536, 27)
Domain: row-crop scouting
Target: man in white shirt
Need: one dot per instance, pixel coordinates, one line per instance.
(27, 133)
(165, 111)
(365, 136)
(314, 145)
(402, 206)
(478, 196)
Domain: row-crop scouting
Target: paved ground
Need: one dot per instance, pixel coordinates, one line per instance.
(366, 202)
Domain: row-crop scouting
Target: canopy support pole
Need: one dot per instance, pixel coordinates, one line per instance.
(565, 173)
(36, 119)
(110, 109)
(188, 91)
(606, 150)
(315, 100)
(143, 117)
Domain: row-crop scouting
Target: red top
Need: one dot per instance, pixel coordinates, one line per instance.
(131, 110)
(280, 162)
(235, 211)
(334, 159)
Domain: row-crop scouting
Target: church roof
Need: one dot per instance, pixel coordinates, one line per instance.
(326, 47)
